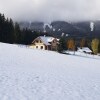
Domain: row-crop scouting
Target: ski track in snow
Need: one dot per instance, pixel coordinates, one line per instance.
(27, 74)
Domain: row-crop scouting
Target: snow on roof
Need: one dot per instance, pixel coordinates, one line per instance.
(46, 39)
(84, 49)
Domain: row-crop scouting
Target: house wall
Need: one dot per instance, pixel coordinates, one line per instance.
(32, 46)
(54, 44)
(38, 45)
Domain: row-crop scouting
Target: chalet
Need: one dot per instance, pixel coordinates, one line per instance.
(45, 43)
(84, 50)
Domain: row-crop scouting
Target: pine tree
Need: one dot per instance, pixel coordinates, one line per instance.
(11, 32)
(62, 45)
(18, 37)
(6, 29)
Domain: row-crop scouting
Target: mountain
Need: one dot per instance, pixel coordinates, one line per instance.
(56, 28)
(90, 28)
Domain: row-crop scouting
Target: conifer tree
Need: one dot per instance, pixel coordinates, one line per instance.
(6, 29)
(17, 33)
(62, 45)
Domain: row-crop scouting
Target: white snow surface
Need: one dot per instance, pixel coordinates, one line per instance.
(46, 39)
(45, 25)
(92, 26)
(28, 74)
(84, 49)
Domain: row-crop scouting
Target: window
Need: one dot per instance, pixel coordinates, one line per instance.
(41, 47)
(45, 47)
(40, 41)
(36, 41)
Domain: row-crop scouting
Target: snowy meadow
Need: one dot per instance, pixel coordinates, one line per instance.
(28, 74)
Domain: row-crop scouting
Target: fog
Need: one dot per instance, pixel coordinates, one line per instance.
(51, 10)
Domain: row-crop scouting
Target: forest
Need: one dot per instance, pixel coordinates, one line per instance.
(10, 32)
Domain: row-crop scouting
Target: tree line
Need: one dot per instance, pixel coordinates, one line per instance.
(72, 44)
(10, 32)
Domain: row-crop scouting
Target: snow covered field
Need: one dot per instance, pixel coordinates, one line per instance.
(27, 74)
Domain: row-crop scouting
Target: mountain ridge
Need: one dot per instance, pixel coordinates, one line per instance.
(59, 27)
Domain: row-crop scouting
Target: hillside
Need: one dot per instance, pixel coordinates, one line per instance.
(56, 28)
(27, 74)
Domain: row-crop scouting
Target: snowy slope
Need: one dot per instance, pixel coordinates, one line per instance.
(27, 74)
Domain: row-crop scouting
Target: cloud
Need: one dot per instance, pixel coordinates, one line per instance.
(50, 10)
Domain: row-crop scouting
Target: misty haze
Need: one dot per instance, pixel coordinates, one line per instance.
(51, 10)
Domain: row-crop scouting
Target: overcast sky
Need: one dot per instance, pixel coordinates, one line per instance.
(50, 10)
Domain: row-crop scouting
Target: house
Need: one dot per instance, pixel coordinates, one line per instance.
(84, 50)
(45, 43)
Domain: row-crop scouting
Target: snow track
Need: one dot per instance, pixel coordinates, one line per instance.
(27, 74)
